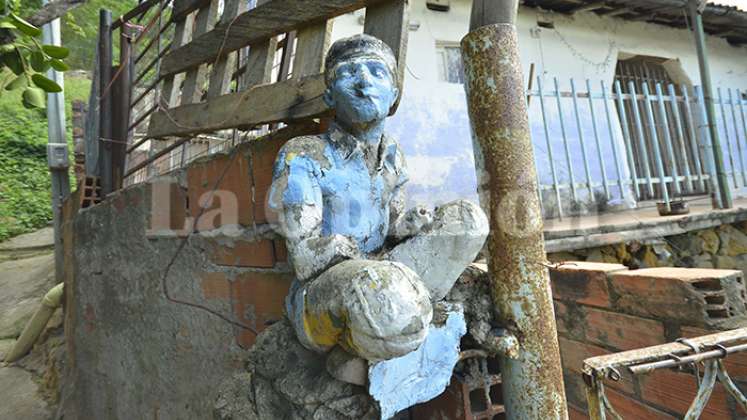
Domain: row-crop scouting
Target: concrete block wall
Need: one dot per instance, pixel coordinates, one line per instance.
(133, 351)
(606, 308)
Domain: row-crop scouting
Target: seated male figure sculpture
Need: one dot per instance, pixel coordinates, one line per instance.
(367, 273)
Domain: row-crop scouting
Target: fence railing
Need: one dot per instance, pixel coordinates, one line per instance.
(630, 143)
(198, 76)
(709, 350)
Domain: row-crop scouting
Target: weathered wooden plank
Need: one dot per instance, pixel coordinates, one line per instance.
(194, 80)
(170, 88)
(389, 22)
(258, 62)
(182, 8)
(313, 42)
(286, 101)
(262, 22)
(220, 75)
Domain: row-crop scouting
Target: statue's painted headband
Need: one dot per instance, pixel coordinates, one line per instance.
(358, 47)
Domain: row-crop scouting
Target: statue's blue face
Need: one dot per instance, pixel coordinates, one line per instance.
(362, 91)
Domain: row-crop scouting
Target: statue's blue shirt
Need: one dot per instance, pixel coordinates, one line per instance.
(330, 171)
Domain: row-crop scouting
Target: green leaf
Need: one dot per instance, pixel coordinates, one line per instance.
(13, 61)
(17, 83)
(33, 97)
(4, 24)
(58, 65)
(39, 62)
(6, 48)
(24, 26)
(55, 51)
(48, 85)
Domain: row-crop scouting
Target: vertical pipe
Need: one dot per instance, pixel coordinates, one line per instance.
(572, 178)
(680, 137)
(641, 137)
(668, 139)
(736, 135)
(587, 171)
(727, 139)
(741, 112)
(708, 148)
(56, 135)
(705, 80)
(597, 142)
(613, 144)
(105, 101)
(550, 157)
(626, 138)
(655, 144)
(533, 380)
(690, 120)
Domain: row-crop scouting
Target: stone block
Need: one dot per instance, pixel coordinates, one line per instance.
(619, 331)
(583, 282)
(733, 241)
(699, 297)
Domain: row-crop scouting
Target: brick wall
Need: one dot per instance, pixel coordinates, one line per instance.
(172, 352)
(606, 308)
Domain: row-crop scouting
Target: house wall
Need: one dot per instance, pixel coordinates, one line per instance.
(432, 122)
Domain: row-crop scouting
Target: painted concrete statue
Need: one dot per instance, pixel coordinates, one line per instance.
(368, 272)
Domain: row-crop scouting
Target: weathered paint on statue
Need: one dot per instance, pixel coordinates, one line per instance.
(367, 273)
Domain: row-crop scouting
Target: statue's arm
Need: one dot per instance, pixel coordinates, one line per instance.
(297, 198)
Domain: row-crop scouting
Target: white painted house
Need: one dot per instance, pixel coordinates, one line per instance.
(633, 42)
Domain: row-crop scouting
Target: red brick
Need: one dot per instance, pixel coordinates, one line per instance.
(583, 282)
(736, 363)
(620, 331)
(573, 354)
(215, 286)
(576, 413)
(263, 155)
(675, 391)
(630, 408)
(561, 314)
(241, 253)
(234, 188)
(168, 206)
(695, 296)
(258, 300)
(281, 252)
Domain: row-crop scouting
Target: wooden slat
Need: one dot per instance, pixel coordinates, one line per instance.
(262, 22)
(313, 42)
(170, 88)
(388, 22)
(286, 101)
(195, 77)
(220, 75)
(134, 12)
(182, 8)
(259, 61)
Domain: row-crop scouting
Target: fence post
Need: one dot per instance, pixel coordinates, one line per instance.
(121, 107)
(105, 102)
(533, 381)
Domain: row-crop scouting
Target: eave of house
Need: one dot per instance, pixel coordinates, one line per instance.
(723, 19)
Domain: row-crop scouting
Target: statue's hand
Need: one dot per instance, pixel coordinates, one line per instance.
(413, 222)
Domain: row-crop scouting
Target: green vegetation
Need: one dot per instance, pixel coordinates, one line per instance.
(24, 177)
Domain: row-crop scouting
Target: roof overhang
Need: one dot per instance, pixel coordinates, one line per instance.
(722, 20)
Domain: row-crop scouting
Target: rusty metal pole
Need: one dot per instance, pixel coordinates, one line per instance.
(533, 381)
